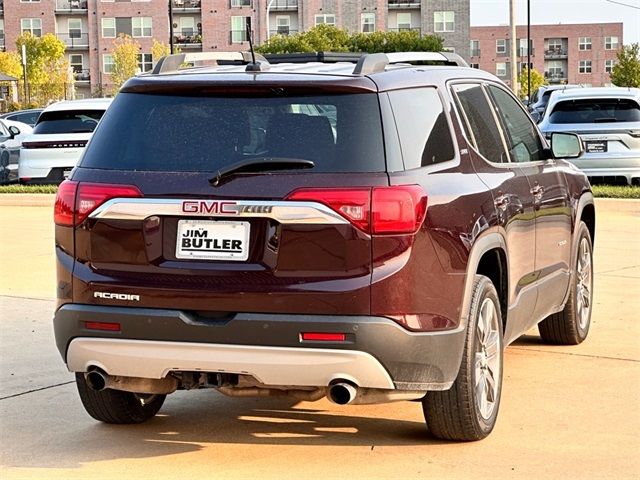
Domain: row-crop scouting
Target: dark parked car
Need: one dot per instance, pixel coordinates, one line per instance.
(369, 231)
(30, 117)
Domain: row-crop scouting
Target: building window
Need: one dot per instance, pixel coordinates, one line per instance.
(501, 69)
(31, 25)
(329, 19)
(585, 66)
(107, 63)
(108, 28)
(474, 65)
(501, 45)
(608, 65)
(283, 24)
(444, 21)
(523, 51)
(475, 48)
(187, 27)
(76, 62)
(240, 3)
(141, 26)
(610, 43)
(238, 30)
(75, 28)
(403, 21)
(584, 43)
(145, 62)
(368, 22)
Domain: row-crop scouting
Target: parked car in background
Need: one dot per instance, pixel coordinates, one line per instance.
(58, 139)
(608, 120)
(371, 231)
(30, 117)
(540, 99)
(11, 136)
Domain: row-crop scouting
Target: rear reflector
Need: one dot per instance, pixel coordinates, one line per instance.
(391, 210)
(323, 337)
(108, 326)
(76, 200)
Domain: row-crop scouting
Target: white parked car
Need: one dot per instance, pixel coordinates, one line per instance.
(58, 139)
(11, 136)
(608, 121)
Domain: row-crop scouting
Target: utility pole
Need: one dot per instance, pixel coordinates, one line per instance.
(171, 26)
(514, 64)
(24, 72)
(529, 50)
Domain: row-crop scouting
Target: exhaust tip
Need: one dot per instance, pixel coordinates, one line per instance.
(96, 380)
(342, 393)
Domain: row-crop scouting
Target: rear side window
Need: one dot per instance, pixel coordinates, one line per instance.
(29, 118)
(422, 126)
(68, 121)
(481, 125)
(596, 110)
(340, 133)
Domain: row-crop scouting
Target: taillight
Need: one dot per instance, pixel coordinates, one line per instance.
(63, 209)
(380, 210)
(88, 197)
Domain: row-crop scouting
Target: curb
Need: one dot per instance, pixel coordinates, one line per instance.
(27, 199)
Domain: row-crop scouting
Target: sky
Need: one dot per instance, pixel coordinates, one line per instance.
(496, 12)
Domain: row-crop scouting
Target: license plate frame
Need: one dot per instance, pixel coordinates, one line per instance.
(596, 147)
(212, 240)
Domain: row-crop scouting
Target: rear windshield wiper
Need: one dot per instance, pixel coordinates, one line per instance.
(260, 164)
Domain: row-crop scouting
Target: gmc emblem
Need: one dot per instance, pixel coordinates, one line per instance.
(209, 206)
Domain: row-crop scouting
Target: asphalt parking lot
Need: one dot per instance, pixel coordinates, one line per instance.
(566, 412)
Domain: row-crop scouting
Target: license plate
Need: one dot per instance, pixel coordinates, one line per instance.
(596, 147)
(212, 240)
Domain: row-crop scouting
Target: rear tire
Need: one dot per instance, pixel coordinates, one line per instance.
(115, 406)
(571, 325)
(468, 410)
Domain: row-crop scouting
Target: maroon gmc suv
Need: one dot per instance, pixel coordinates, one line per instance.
(367, 228)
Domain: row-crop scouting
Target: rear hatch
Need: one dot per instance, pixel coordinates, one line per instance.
(609, 127)
(207, 203)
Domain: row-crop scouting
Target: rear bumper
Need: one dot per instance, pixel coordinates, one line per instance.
(378, 352)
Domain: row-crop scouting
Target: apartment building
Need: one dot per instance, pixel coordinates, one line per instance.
(564, 53)
(89, 27)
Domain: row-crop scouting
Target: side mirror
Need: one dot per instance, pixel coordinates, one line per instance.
(14, 131)
(566, 145)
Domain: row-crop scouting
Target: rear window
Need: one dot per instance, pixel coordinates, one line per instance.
(68, 121)
(595, 111)
(340, 133)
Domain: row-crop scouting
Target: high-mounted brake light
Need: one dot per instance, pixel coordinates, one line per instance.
(397, 209)
(76, 200)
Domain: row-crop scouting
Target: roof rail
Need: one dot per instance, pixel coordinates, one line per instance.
(322, 57)
(377, 62)
(172, 63)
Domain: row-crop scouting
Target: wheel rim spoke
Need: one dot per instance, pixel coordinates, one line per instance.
(487, 360)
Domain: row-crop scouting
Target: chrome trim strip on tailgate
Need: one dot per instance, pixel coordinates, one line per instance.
(313, 367)
(309, 213)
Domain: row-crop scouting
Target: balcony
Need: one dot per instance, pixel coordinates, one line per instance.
(186, 6)
(404, 4)
(555, 77)
(284, 5)
(188, 40)
(475, 52)
(557, 53)
(406, 29)
(81, 74)
(71, 7)
(282, 31)
(77, 41)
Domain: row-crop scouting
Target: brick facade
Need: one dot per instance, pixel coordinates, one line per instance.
(556, 50)
(208, 25)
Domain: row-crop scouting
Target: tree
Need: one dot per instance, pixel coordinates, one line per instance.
(48, 73)
(161, 49)
(328, 38)
(626, 72)
(537, 79)
(125, 60)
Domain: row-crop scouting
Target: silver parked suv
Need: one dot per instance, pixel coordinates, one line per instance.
(608, 120)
